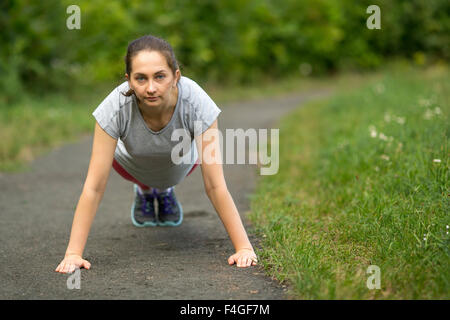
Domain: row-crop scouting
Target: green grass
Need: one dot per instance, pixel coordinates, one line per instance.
(33, 127)
(343, 200)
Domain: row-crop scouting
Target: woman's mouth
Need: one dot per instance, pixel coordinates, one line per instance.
(151, 98)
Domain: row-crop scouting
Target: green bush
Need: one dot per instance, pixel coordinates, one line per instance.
(221, 41)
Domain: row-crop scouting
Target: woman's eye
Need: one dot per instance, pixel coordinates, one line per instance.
(161, 76)
(139, 78)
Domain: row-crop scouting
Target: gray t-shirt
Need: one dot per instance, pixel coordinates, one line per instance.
(146, 154)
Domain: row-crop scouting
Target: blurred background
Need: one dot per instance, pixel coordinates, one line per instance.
(238, 41)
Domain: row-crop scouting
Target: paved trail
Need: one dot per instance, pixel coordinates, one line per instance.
(186, 262)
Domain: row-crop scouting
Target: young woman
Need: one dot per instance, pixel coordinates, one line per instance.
(133, 135)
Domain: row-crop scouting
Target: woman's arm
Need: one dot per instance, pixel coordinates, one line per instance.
(217, 191)
(94, 187)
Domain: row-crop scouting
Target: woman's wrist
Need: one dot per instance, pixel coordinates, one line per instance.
(71, 253)
(245, 248)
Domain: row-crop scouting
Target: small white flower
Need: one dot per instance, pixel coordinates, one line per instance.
(437, 160)
(447, 227)
(437, 110)
(377, 169)
(400, 120)
(373, 131)
(384, 157)
(428, 114)
(383, 137)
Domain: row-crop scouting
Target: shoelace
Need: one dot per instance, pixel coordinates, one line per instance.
(146, 201)
(168, 201)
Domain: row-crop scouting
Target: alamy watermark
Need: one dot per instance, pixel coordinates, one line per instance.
(74, 280)
(257, 147)
(374, 20)
(74, 20)
(374, 281)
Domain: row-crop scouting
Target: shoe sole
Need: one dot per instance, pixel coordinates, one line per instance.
(138, 224)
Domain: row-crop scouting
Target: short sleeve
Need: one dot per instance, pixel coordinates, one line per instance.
(205, 112)
(108, 114)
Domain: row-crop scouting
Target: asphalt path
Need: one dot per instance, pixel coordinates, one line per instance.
(185, 262)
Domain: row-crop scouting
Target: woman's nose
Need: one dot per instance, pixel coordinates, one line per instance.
(151, 87)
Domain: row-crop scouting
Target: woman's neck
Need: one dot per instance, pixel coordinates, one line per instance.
(160, 113)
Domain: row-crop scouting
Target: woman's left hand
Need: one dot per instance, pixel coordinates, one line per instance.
(243, 258)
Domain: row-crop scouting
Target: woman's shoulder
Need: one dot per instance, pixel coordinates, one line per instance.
(114, 103)
(200, 107)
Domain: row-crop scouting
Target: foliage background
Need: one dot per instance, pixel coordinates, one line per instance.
(233, 41)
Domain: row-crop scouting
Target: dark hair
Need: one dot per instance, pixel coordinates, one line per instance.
(150, 43)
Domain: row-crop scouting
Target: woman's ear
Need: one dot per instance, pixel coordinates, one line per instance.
(177, 77)
(128, 79)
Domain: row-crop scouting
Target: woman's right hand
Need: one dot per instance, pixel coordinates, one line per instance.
(71, 262)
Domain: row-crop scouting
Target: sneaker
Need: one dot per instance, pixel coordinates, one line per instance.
(143, 209)
(170, 212)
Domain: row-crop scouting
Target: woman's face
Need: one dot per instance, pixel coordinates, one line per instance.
(151, 79)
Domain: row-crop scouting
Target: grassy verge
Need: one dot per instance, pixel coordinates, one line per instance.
(38, 124)
(363, 180)
(34, 126)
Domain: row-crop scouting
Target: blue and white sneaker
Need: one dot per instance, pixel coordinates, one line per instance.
(143, 209)
(170, 212)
